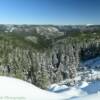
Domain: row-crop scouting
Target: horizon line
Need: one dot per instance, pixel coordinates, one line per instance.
(50, 24)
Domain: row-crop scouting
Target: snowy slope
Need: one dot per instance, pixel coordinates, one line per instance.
(81, 90)
(67, 92)
(58, 88)
(11, 88)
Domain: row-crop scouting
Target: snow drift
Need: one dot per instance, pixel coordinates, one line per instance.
(15, 89)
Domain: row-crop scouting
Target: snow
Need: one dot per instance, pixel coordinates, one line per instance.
(89, 97)
(83, 85)
(93, 87)
(15, 89)
(65, 91)
(93, 62)
(58, 88)
(11, 88)
(73, 92)
(82, 90)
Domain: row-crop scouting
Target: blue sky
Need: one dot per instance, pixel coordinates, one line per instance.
(62, 12)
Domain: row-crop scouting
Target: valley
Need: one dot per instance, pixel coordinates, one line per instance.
(46, 55)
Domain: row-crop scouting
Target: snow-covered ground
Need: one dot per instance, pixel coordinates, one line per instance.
(87, 86)
(14, 89)
(89, 97)
(78, 92)
(91, 69)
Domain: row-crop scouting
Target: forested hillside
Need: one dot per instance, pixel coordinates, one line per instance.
(44, 59)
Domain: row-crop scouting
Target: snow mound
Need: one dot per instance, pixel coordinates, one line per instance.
(15, 89)
(83, 85)
(73, 92)
(66, 92)
(58, 88)
(80, 90)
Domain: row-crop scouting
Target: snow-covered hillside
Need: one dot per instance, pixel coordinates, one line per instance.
(83, 91)
(14, 89)
(87, 83)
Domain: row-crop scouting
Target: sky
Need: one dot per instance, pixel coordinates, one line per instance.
(57, 12)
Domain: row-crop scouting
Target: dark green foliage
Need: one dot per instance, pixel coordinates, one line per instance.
(42, 77)
(91, 52)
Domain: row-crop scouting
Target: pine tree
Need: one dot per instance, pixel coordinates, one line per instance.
(42, 78)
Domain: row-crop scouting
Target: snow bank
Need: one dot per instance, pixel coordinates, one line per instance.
(80, 90)
(58, 88)
(66, 92)
(73, 92)
(14, 89)
(83, 85)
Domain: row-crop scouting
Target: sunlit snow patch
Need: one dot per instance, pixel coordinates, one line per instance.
(15, 89)
(83, 85)
(58, 88)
